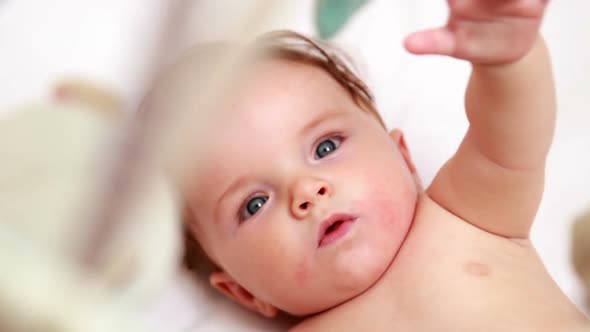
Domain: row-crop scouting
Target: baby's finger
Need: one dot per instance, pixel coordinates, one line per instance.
(434, 41)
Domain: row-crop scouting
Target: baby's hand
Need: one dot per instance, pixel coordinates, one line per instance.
(483, 31)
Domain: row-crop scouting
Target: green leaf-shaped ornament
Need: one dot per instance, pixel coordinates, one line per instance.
(332, 15)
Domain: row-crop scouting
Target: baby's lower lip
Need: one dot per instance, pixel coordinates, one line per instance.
(337, 234)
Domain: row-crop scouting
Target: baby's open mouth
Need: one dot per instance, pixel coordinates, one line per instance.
(334, 228)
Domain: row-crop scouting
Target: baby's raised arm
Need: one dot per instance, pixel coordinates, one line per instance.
(495, 179)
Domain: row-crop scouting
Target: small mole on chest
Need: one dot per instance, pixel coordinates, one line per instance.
(477, 269)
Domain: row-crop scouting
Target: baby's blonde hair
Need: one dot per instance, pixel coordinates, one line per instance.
(281, 44)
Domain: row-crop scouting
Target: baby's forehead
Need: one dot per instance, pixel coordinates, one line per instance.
(288, 78)
(280, 101)
(284, 92)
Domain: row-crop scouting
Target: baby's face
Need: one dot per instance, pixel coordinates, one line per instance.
(303, 199)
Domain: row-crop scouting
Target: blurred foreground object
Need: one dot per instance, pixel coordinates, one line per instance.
(88, 94)
(581, 251)
(90, 230)
(51, 164)
(332, 15)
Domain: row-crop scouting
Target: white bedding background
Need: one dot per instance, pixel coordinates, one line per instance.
(110, 41)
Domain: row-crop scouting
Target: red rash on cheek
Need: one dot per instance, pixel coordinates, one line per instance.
(302, 272)
(383, 210)
(391, 210)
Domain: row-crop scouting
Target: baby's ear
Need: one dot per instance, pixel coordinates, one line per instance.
(224, 283)
(398, 137)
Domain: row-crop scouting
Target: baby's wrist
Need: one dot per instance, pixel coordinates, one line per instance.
(536, 56)
(509, 61)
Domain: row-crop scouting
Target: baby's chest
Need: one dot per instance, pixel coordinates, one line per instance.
(464, 279)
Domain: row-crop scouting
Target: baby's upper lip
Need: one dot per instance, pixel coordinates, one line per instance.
(330, 221)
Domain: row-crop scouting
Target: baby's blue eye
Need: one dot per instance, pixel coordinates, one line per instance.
(253, 205)
(326, 147)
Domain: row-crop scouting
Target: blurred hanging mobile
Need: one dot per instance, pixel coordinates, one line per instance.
(332, 15)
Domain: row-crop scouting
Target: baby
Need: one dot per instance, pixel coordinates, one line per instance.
(306, 205)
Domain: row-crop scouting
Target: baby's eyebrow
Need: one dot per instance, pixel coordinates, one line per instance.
(319, 120)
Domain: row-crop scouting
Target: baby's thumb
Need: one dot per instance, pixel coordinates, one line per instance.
(433, 41)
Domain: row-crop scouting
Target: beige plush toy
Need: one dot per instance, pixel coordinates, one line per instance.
(52, 166)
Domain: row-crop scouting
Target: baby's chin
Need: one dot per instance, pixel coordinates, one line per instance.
(367, 258)
(350, 275)
(358, 263)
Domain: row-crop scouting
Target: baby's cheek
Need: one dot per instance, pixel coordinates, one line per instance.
(391, 210)
(302, 272)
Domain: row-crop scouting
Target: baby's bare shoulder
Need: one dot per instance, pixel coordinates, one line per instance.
(436, 229)
(491, 197)
(455, 266)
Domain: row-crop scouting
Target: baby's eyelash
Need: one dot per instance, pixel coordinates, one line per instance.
(251, 205)
(327, 145)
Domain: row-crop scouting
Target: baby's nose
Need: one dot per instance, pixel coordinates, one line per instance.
(307, 193)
